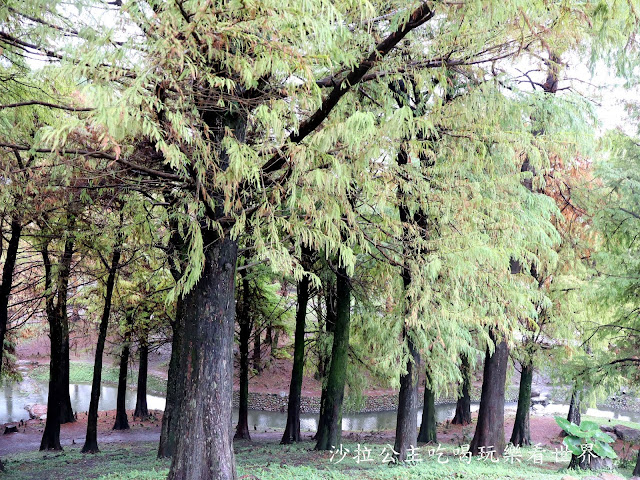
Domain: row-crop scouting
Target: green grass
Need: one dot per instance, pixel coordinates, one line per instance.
(71, 464)
(270, 461)
(610, 421)
(80, 372)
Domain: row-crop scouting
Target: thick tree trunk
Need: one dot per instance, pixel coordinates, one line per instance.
(463, 405)
(407, 421)
(257, 354)
(174, 387)
(329, 327)
(274, 343)
(292, 429)
(122, 422)
(574, 407)
(521, 435)
(490, 427)
(428, 432)
(141, 410)
(242, 429)
(91, 441)
(66, 412)
(5, 287)
(56, 313)
(51, 434)
(268, 337)
(7, 280)
(330, 423)
(204, 449)
(407, 417)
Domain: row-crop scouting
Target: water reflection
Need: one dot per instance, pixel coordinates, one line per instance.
(355, 422)
(14, 396)
(29, 392)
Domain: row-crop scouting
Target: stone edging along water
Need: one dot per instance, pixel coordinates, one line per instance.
(277, 402)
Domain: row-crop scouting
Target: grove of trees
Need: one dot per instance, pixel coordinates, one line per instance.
(408, 191)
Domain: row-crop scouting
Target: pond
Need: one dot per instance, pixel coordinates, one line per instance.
(15, 396)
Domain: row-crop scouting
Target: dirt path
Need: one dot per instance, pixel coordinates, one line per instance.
(30, 432)
(543, 429)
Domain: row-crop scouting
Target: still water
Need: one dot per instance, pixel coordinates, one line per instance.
(15, 396)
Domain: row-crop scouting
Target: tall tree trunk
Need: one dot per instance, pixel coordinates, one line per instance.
(7, 280)
(274, 343)
(51, 435)
(428, 431)
(521, 435)
(242, 429)
(406, 421)
(407, 416)
(574, 407)
(204, 448)
(329, 327)
(56, 312)
(269, 335)
(91, 441)
(174, 387)
(330, 423)
(7, 283)
(463, 405)
(122, 422)
(490, 428)
(141, 410)
(66, 411)
(292, 429)
(257, 357)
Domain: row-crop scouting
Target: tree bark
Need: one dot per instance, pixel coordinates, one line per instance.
(91, 441)
(406, 421)
(636, 470)
(122, 422)
(51, 435)
(141, 410)
(268, 337)
(292, 429)
(59, 336)
(174, 387)
(330, 423)
(274, 343)
(204, 449)
(463, 405)
(7, 280)
(574, 407)
(490, 428)
(257, 357)
(242, 429)
(407, 416)
(66, 411)
(428, 432)
(521, 434)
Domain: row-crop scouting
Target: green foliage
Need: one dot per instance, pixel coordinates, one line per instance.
(587, 434)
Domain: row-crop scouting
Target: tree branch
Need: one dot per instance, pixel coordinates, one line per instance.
(420, 15)
(45, 104)
(97, 154)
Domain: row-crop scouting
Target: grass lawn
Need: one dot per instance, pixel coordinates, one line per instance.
(271, 461)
